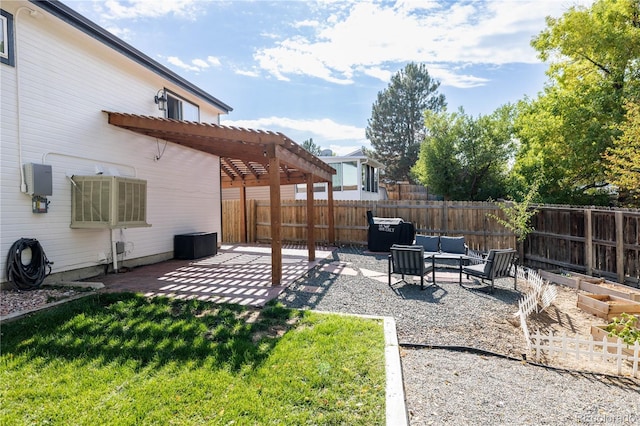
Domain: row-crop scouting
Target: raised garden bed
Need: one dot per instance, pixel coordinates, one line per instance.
(606, 306)
(600, 333)
(612, 289)
(568, 278)
(591, 284)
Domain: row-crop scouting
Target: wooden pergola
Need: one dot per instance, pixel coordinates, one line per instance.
(247, 158)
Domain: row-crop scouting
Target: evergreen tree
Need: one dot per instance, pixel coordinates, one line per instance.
(310, 146)
(396, 127)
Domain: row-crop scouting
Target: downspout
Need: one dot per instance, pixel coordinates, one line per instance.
(114, 252)
(37, 15)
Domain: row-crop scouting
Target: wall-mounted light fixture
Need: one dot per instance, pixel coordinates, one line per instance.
(161, 99)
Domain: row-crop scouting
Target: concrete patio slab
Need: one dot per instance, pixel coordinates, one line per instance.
(238, 274)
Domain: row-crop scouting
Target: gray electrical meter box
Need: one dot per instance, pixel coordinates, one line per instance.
(39, 179)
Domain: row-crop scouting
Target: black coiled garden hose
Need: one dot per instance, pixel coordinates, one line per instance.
(31, 276)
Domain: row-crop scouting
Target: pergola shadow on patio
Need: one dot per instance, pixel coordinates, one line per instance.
(239, 274)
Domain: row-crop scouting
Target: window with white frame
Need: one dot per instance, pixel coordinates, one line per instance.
(7, 55)
(369, 178)
(346, 177)
(181, 109)
(337, 178)
(349, 176)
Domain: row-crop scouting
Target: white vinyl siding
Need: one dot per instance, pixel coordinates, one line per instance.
(67, 79)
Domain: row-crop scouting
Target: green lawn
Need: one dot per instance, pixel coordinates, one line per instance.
(121, 359)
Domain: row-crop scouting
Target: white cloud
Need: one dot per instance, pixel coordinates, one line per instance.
(200, 63)
(376, 39)
(174, 60)
(248, 73)
(196, 65)
(133, 9)
(305, 23)
(213, 61)
(319, 129)
(123, 33)
(448, 77)
(379, 73)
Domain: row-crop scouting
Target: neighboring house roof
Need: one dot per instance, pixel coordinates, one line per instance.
(90, 28)
(358, 154)
(244, 153)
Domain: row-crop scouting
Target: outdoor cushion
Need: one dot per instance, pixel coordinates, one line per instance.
(452, 245)
(429, 242)
(487, 265)
(490, 256)
(479, 269)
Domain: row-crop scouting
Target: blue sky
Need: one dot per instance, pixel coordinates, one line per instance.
(313, 69)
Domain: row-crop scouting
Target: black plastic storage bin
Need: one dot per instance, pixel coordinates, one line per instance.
(195, 245)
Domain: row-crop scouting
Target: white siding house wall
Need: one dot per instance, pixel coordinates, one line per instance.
(52, 113)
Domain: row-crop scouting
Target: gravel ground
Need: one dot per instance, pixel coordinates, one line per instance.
(12, 301)
(457, 387)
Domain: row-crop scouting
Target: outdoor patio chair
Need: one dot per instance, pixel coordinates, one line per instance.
(408, 260)
(496, 265)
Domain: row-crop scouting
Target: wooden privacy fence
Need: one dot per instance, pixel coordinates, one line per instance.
(440, 218)
(596, 241)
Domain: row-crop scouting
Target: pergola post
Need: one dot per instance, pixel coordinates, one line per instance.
(243, 214)
(311, 238)
(276, 220)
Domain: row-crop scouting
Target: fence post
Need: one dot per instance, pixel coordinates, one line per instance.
(445, 219)
(620, 246)
(588, 241)
(619, 353)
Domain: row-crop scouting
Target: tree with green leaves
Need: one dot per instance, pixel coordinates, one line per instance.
(595, 65)
(466, 158)
(396, 126)
(518, 213)
(310, 146)
(623, 168)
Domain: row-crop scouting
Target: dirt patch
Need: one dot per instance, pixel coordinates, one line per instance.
(563, 316)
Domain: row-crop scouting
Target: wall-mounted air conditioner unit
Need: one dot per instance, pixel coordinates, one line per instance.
(108, 202)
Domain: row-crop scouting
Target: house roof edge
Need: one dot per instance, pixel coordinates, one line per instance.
(92, 29)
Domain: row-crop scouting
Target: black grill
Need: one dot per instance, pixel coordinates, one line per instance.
(385, 232)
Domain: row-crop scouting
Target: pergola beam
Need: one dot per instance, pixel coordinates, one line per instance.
(270, 158)
(301, 163)
(232, 167)
(193, 129)
(247, 181)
